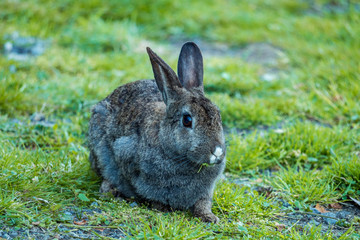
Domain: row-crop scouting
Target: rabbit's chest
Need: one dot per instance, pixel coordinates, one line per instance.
(178, 189)
(178, 192)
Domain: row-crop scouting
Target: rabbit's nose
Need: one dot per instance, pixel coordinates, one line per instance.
(216, 155)
(218, 151)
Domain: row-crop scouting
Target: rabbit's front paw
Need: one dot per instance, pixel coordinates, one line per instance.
(107, 188)
(202, 209)
(209, 217)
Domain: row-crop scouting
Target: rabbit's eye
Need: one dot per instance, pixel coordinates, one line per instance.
(187, 121)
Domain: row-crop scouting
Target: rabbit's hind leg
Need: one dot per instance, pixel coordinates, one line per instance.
(113, 178)
(119, 191)
(161, 207)
(106, 187)
(94, 164)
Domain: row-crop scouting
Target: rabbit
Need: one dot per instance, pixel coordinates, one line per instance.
(161, 141)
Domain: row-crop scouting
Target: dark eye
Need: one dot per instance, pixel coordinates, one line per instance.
(187, 120)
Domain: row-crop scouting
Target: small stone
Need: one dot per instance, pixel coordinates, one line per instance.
(16, 121)
(6, 236)
(13, 234)
(314, 210)
(46, 237)
(330, 221)
(67, 120)
(37, 49)
(279, 131)
(94, 204)
(314, 222)
(8, 46)
(343, 214)
(269, 77)
(285, 203)
(118, 73)
(133, 204)
(40, 120)
(226, 76)
(37, 117)
(15, 35)
(12, 68)
(68, 213)
(239, 223)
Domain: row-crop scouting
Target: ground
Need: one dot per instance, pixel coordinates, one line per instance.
(285, 75)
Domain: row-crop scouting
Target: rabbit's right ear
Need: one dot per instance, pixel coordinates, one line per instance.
(190, 66)
(165, 77)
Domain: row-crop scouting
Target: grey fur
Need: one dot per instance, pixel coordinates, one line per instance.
(141, 149)
(190, 66)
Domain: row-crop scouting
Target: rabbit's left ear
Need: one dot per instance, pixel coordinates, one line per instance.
(165, 77)
(190, 66)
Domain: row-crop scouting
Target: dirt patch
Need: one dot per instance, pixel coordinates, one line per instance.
(336, 218)
(66, 230)
(264, 54)
(332, 7)
(60, 232)
(260, 53)
(21, 48)
(272, 59)
(279, 127)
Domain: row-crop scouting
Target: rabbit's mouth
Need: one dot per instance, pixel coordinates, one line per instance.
(217, 156)
(215, 161)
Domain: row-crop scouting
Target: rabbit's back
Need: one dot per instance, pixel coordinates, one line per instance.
(130, 105)
(123, 112)
(115, 128)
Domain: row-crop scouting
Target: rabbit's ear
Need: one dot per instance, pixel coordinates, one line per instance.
(190, 66)
(165, 77)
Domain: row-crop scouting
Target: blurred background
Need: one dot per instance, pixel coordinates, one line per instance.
(275, 59)
(264, 60)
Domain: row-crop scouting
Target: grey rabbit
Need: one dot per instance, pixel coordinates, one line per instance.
(161, 141)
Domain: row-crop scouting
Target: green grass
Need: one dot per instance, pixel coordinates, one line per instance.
(312, 147)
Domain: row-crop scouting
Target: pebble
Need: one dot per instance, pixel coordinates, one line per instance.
(68, 213)
(8, 46)
(314, 222)
(13, 234)
(37, 117)
(284, 203)
(268, 77)
(22, 48)
(63, 228)
(330, 221)
(6, 236)
(343, 214)
(314, 210)
(133, 204)
(16, 121)
(279, 131)
(12, 68)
